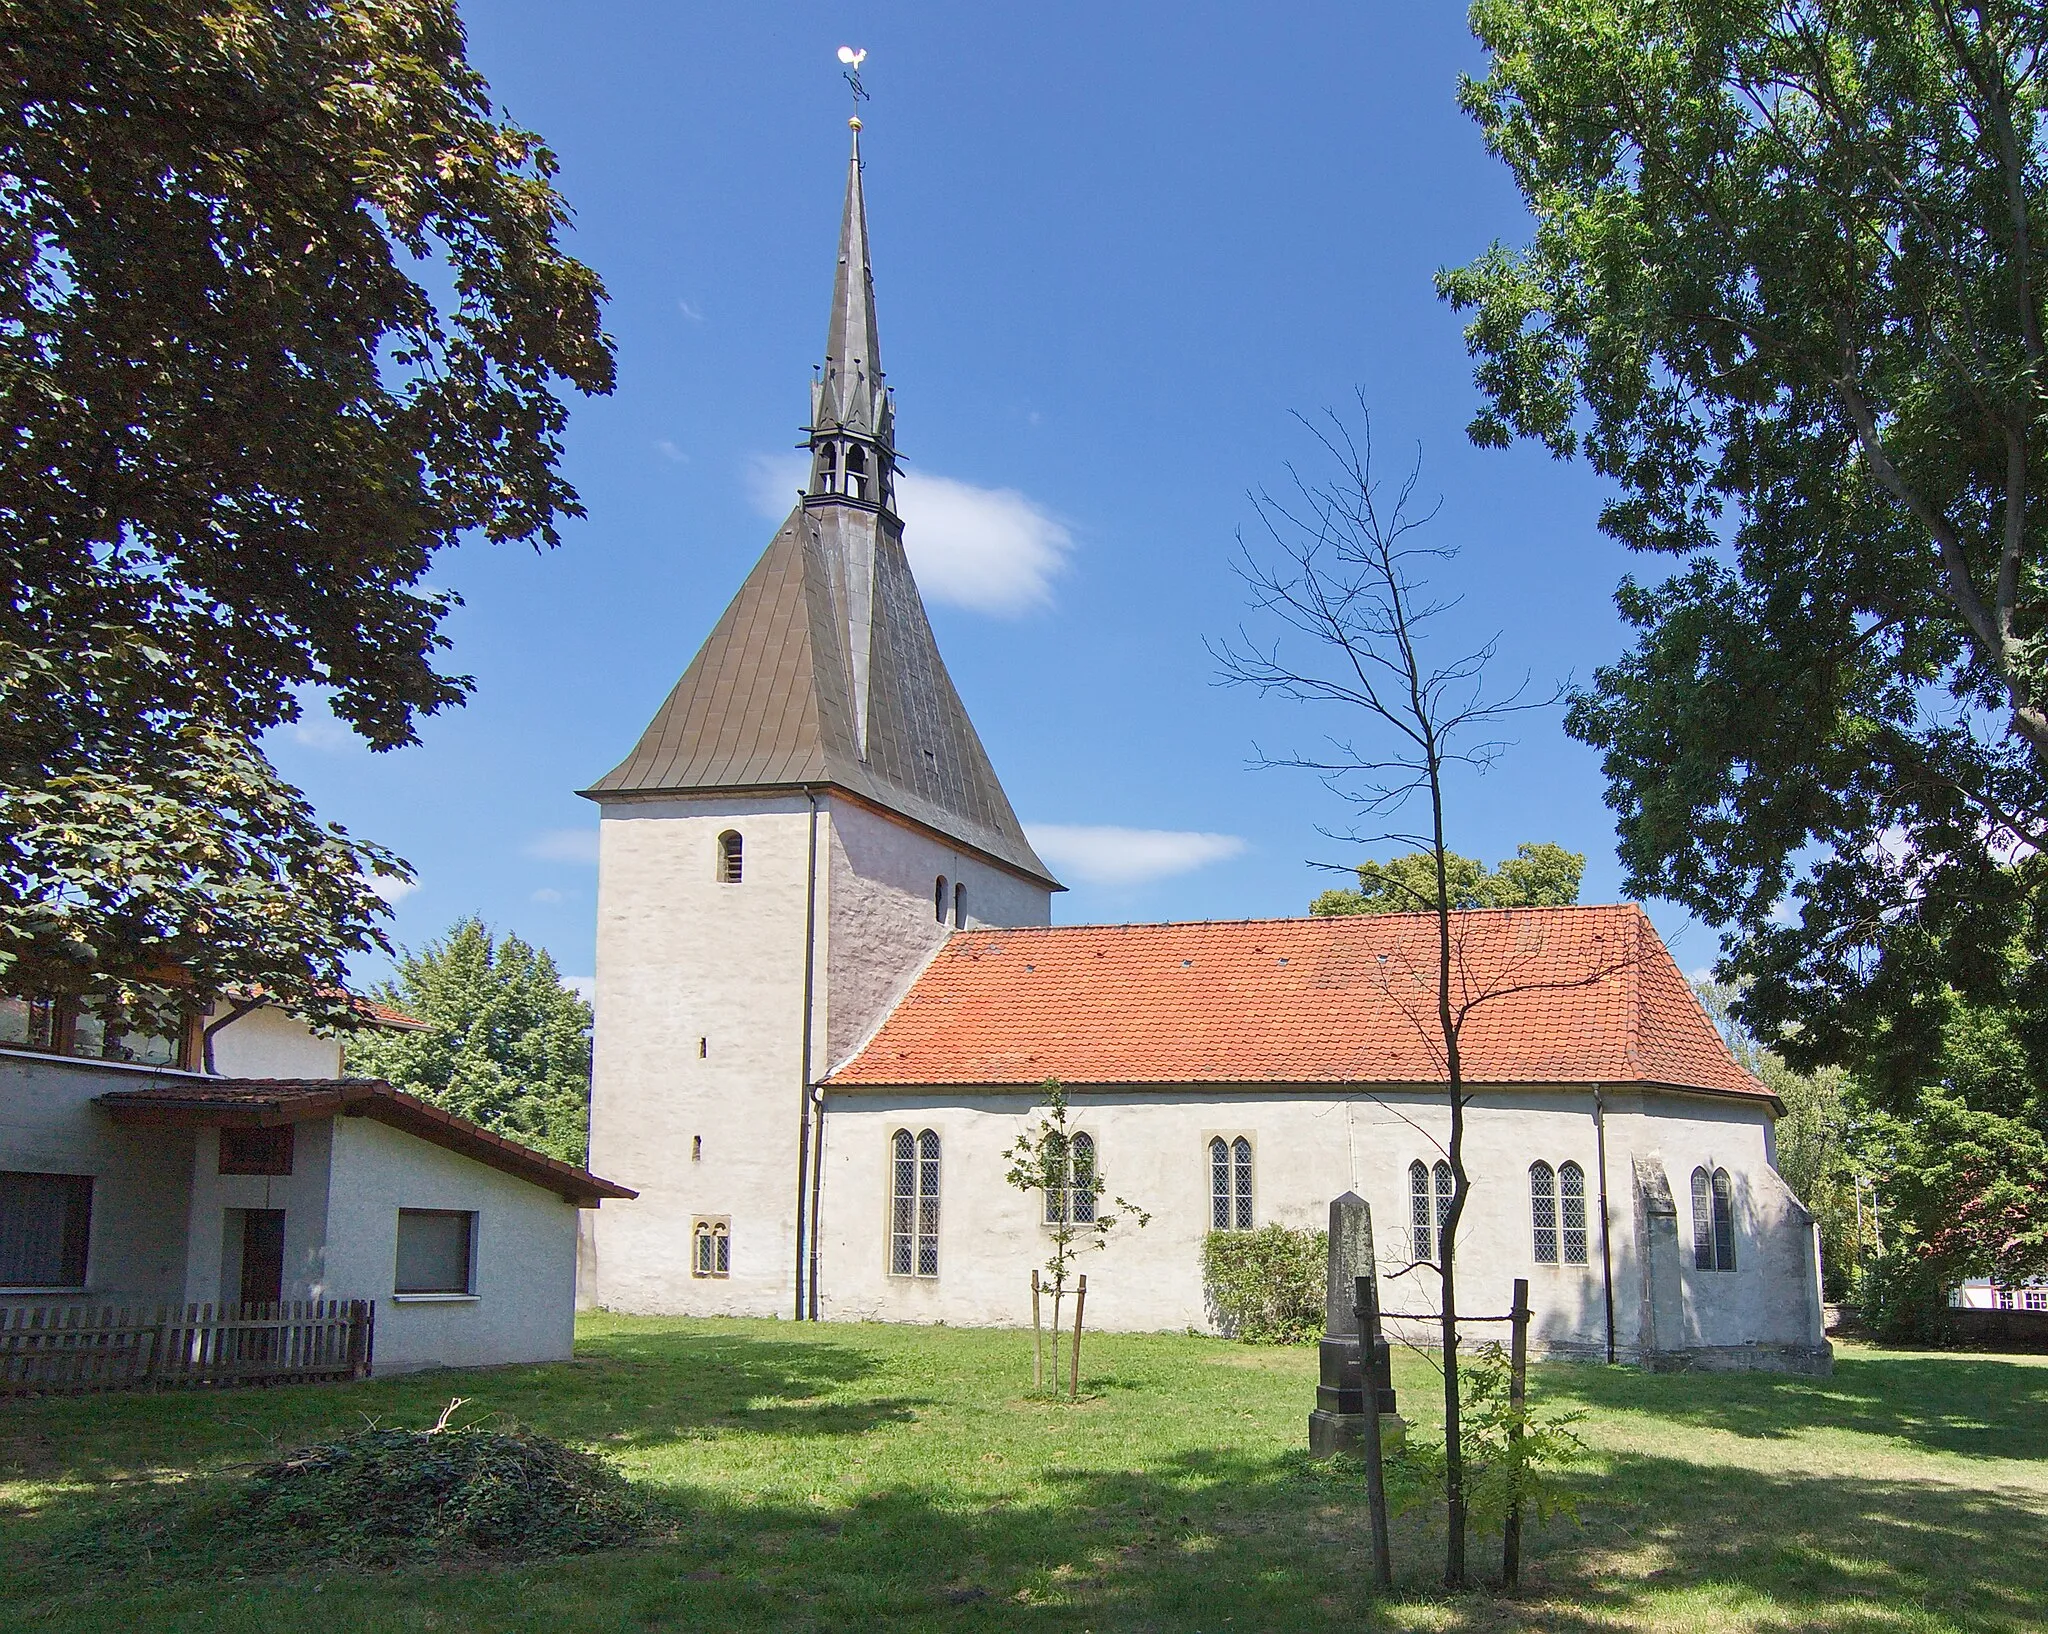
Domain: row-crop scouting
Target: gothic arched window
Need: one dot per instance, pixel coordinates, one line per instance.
(729, 857)
(856, 472)
(1421, 1218)
(959, 907)
(1543, 1212)
(1571, 1195)
(1230, 1184)
(914, 1204)
(939, 899)
(1444, 1186)
(711, 1248)
(1713, 1221)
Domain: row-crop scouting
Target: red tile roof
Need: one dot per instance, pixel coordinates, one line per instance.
(1551, 995)
(258, 1102)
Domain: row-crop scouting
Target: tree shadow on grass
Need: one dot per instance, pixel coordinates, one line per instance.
(1206, 1540)
(628, 1391)
(1971, 1406)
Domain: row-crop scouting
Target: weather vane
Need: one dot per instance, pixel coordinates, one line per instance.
(852, 60)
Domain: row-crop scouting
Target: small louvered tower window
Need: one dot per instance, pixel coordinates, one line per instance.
(729, 857)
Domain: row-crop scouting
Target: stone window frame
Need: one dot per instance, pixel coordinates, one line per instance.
(1713, 1219)
(1565, 1233)
(1058, 1199)
(912, 1219)
(1241, 1195)
(731, 864)
(1428, 1183)
(711, 1246)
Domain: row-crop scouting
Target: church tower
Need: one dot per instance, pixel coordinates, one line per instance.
(807, 817)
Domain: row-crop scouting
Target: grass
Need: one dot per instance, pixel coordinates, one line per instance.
(823, 1478)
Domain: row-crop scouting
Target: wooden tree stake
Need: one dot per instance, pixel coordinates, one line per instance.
(1037, 1338)
(1080, 1303)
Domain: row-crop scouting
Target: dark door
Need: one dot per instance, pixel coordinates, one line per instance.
(262, 1256)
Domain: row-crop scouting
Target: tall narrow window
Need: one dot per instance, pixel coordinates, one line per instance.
(1081, 1181)
(939, 900)
(1571, 1193)
(1421, 1218)
(1713, 1221)
(729, 858)
(914, 1205)
(1543, 1212)
(1230, 1184)
(711, 1248)
(959, 907)
(1070, 1181)
(1444, 1186)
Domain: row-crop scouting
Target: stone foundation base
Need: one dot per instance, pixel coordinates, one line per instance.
(1816, 1360)
(1345, 1432)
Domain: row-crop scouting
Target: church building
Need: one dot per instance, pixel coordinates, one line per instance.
(829, 992)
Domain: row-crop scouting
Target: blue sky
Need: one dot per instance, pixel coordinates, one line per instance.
(1115, 248)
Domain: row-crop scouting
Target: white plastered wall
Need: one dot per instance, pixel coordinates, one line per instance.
(524, 1304)
(698, 1069)
(1310, 1145)
(273, 1043)
(141, 1177)
(213, 1252)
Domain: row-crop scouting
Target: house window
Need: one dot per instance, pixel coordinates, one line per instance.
(435, 1251)
(959, 907)
(711, 1247)
(1072, 1201)
(1713, 1221)
(1543, 1212)
(2036, 1299)
(729, 857)
(45, 1228)
(914, 1205)
(1428, 1223)
(256, 1151)
(2004, 1298)
(939, 900)
(1571, 1192)
(65, 1027)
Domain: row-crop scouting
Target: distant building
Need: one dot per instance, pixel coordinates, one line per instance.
(828, 990)
(131, 1178)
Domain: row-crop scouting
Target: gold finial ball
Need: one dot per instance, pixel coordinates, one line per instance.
(853, 123)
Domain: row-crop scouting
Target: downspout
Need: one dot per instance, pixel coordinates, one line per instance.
(803, 1140)
(817, 1186)
(1606, 1252)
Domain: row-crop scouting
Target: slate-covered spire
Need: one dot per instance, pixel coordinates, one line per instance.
(853, 422)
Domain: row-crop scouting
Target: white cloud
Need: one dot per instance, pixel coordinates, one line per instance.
(1129, 856)
(322, 732)
(391, 890)
(584, 987)
(991, 550)
(669, 450)
(564, 845)
(688, 310)
(547, 893)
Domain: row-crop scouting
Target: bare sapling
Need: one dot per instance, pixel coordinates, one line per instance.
(1054, 1164)
(1336, 571)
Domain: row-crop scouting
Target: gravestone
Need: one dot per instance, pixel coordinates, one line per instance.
(1338, 1422)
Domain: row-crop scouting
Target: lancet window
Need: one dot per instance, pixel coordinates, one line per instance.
(1713, 1220)
(914, 1204)
(1230, 1184)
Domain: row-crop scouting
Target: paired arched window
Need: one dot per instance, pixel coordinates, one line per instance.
(1713, 1220)
(1072, 1199)
(729, 857)
(1230, 1184)
(959, 906)
(914, 1205)
(711, 1248)
(1426, 1216)
(1557, 1213)
(939, 900)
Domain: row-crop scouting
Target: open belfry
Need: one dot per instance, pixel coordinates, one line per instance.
(829, 995)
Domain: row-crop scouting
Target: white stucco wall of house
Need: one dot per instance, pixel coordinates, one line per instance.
(272, 1043)
(1310, 1145)
(524, 1304)
(698, 1069)
(141, 1177)
(213, 1269)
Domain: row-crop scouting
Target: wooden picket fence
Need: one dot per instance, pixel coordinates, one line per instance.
(71, 1350)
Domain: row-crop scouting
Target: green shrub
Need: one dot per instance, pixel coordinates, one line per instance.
(1266, 1286)
(1904, 1300)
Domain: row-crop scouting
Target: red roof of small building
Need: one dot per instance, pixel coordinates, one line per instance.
(211, 1103)
(1550, 996)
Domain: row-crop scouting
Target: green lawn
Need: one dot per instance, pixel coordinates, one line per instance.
(834, 1476)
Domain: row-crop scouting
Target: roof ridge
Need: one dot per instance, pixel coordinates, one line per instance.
(1296, 919)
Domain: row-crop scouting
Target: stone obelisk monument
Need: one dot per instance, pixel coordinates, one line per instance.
(1338, 1423)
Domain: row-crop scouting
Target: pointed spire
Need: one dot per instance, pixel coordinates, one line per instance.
(849, 399)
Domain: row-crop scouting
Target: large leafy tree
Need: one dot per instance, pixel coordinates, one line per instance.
(1786, 291)
(284, 312)
(506, 1044)
(1538, 875)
